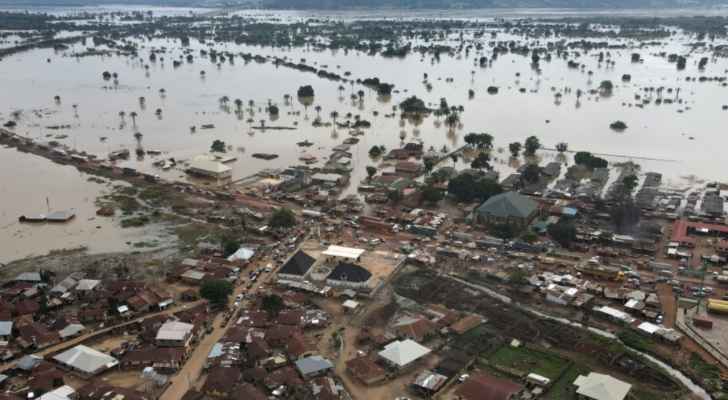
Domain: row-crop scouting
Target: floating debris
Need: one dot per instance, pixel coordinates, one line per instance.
(265, 156)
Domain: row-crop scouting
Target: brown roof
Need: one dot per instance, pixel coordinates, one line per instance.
(466, 323)
(365, 369)
(283, 376)
(297, 345)
(290, 317)
(221, 380)
(25, 307)
(417, 330)
(256, 374)
(247, 391)
(38, 332)
(485, 387)
(257, 349)
(154, 354)
(47, 380)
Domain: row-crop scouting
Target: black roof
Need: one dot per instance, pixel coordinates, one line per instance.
(299, 264)
(350, 273)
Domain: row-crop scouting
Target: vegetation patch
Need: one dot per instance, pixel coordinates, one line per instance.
(529, 361)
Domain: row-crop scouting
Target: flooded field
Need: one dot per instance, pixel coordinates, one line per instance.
(674, 118)
(90, 106)
(29, 184)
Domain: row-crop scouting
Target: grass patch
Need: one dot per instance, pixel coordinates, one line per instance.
(563, 389)
(635, 341)
(127, 204)
(135, 222)
(702, 368)
(529, 361)
(192, 233)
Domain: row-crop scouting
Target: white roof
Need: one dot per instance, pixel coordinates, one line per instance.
(71, 330)
(122, 309)
(403, 352)
(343, 252)
(203, 164)
(194, 274)
(64, 392)
(649, 327)
(174, 330)
(614, 313)
(631, 303)
(243, 253)
(6, 328)
(86, 359)
(350, 304)
(87, 284)
(601, 387)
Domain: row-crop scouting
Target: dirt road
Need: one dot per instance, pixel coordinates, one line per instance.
(189, 375)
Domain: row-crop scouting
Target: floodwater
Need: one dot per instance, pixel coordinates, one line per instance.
(679, 140)
(656, 132)
(29, 184)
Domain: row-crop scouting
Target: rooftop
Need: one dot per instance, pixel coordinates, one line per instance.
(86, 359)
(403, 352)
(174, 330)
(298, 264)
(601, 387)
(509, 204)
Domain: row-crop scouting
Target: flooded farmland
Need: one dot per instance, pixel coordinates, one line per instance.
(165, 106)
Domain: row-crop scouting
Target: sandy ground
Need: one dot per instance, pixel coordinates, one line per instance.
(111, 343)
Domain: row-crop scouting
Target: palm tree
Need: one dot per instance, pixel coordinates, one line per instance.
(318, 110)
(251, 104)
(334, 115)
(224, 100)
(122, 114)
(286, 98)
(57, 99)
(262, 123)
(142, 100)
(361, 95)
(133, 116)
(238, 104)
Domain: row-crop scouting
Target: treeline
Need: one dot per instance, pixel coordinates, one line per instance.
(442, 4)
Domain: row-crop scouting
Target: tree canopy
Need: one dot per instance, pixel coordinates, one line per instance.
(272, 304)
(531, 145)
(432, 194)
(305, 91)
(590, 161)
(470, 187)
(514, 148)
(282, 218)
(563, 232)
(218, 146)
(482, 161)
(479, 140)
(216, 291)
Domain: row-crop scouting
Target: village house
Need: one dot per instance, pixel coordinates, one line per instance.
(600, 387)
(350, 276)
(174, 334)
(297, 267)
(366, 370)
(85, 361)
(507, 208)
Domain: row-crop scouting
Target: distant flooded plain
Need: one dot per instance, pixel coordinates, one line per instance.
(681, 137)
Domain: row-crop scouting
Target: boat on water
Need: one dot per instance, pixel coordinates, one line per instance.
(56, 216)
